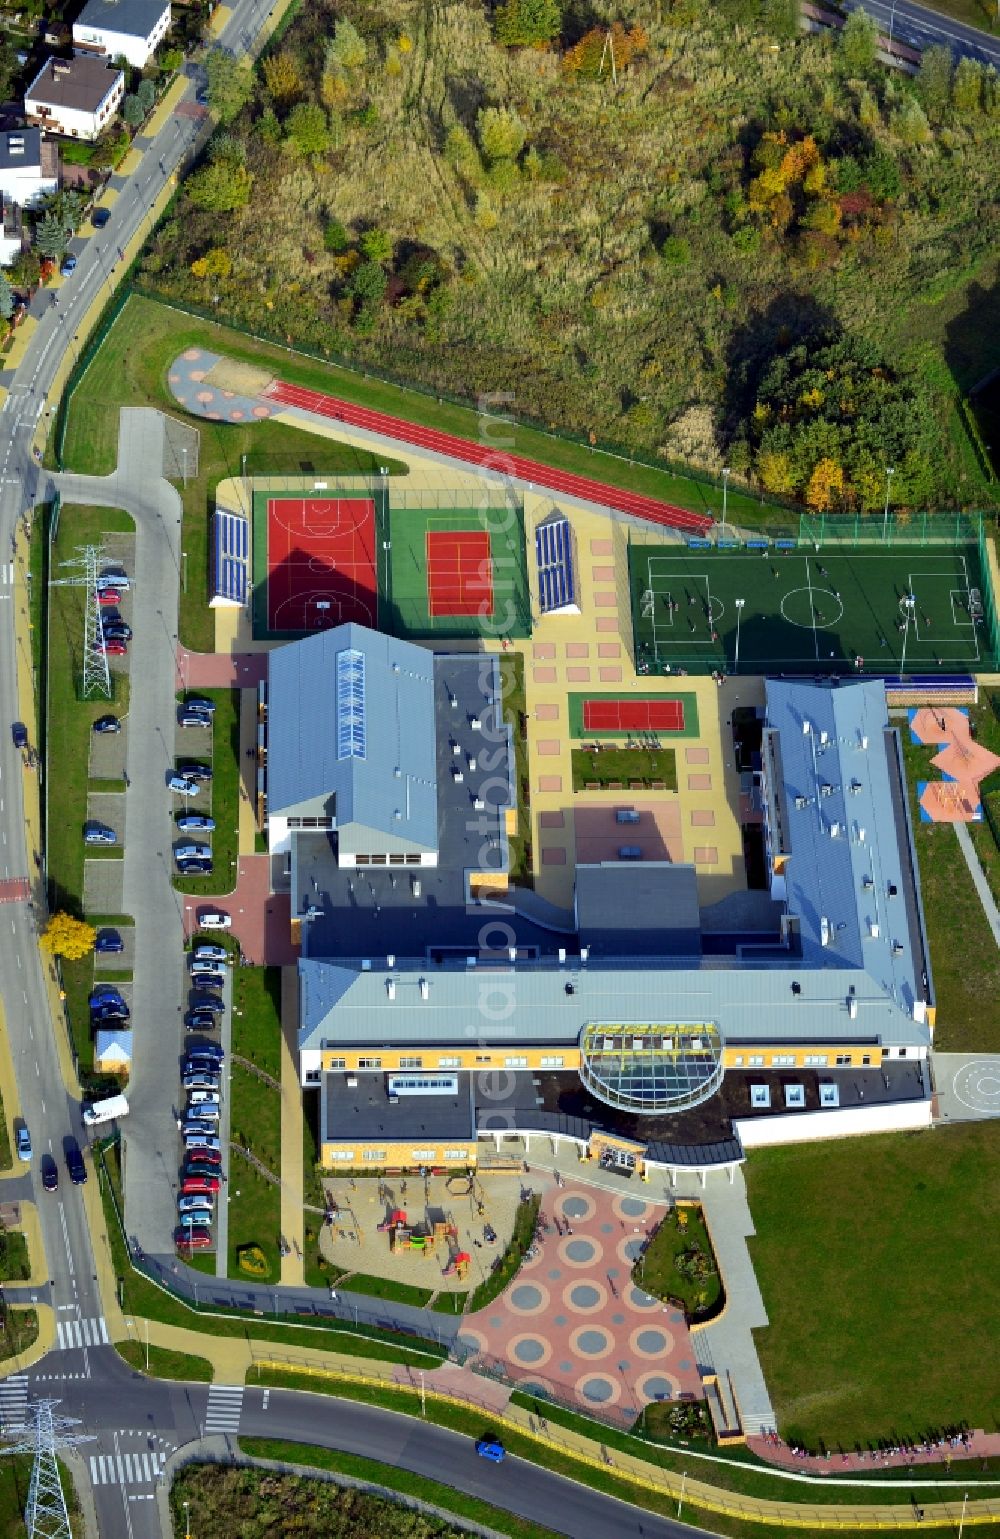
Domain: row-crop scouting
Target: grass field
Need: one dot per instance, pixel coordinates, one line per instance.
(223, 802)
(624, 766)
(877, 1258)
(964, 958)
(15, 1264)
(19, 1332)
(161, 1363)
(408, 606)
(806, 611)
(255, 1116)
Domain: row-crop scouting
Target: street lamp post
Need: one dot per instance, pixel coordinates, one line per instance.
(908, 604)
(739, 616)
(185, 463)
(187, 1521)
(890, 471)
(725, 492)
(184, 555)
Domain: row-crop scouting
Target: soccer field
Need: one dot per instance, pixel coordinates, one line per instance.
(911, 608)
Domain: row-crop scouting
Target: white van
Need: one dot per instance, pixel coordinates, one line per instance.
(108, 1110)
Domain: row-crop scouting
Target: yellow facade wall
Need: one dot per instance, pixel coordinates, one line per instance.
(438, 1059)
(383, 1155)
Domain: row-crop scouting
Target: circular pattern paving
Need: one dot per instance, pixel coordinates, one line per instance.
(597, 1389)
(584, 1296)
(641, 1300)
(810, 608)
(631, 1207)
(657, 1386)
(525, 1298)
(554, 1274)
(631, 1250)
(470, 1341)
(580, 1252)
(649, 1342)
(591, 1341)
(529, 1350)
(977, 1086)
(575, 1207)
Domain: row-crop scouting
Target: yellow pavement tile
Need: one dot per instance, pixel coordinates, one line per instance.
(131, 163)
(165, 108)
(14, 357)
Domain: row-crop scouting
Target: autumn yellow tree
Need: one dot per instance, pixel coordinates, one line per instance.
(282, 77)
(216, 263)
(826, 486)
(775, 471)
(67, 937)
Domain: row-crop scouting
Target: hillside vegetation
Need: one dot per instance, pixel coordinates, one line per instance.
(682, 228)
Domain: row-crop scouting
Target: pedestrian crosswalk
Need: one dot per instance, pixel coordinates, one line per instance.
(13, 1401)
(81, 1333)
(225, 1402)
(126, 1469)
(6, 573)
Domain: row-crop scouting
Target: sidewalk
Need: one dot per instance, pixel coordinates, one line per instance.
(292, 1217)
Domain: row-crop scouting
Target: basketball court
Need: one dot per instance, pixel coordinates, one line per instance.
(459, 572)
(321, 562)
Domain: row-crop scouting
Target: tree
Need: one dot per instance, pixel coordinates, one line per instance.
(347, 47)
(501, 133)
(527, 23)
(220, 187)
(228, 148)
(336, 236)
(25, 269)
(967, 87)
(230, 85)
(308, 129)
(8, 67)
(146, 92)
(858, 44)
(910, 123)
(6, 299)
(368, 284)
(283, 78)
(67, 937)
(68, 207)
(216, 263)
(934, 82)
(377, 245)
(826, 486)
(133, 112)
(51, 237)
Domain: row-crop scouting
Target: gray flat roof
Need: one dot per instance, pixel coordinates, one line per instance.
(364, 1111)
(20, 149)
(649, 908)
(132, 18)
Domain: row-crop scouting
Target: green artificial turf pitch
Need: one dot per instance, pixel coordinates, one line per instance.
(800, 611)
(407, 599)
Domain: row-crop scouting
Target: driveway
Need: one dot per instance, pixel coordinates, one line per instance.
(261, 918)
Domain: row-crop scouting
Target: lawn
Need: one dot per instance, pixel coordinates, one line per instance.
(877, 1259)
(623, 767)
(317, 1270)
(255, 1116)
(965, 962)
(15, 1265)
(161, 1363)
(6, 1155)
(224, 792)
(15, 1483)
(679, 1263)
(19, 1332)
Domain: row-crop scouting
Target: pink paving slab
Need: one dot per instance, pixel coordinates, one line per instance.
(550, 782)
(696, 756)
(553, 855)
(603, 573)
(549, 747)
(605, 623)
(555, 819)
(602, 547)
(699, 782)
(657, 833)
(578, 649)
(702, 817)
(544, 675)
(578, 675)
(546, 713)
(572, 1323)
(543, 649)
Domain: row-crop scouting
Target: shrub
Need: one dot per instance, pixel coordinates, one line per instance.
(251, 1259)
(501, 133)
(336, 236)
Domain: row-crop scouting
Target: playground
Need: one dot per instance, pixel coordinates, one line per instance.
(315, 555)
(962, 764)
(802, 609)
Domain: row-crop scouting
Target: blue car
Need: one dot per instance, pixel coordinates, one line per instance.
(108, 941)
(490, 1448)
(107, 724)
(99, 833)
(68, 267)
(19, 733)
(194, 822)
(199, 703)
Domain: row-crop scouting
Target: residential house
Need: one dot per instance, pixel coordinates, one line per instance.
(29, 167)
(128, 29)
(77, 98)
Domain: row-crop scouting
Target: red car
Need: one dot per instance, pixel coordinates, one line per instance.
(205, 1157)
(193, 1238)
(116, 648)
(202, 1186)
(109, 596)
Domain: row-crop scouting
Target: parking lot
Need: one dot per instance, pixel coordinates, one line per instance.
(103, 886)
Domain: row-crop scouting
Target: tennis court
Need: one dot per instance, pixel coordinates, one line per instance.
(459, 572)
(455, 569)
(803, 610)
(633, 715)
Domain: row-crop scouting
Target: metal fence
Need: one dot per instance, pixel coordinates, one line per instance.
(856, 529)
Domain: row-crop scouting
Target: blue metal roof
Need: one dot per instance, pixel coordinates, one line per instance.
(232, 553)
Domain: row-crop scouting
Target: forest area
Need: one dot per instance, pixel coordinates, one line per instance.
(684, 229)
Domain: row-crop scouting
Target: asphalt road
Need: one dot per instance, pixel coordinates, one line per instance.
(920, 27)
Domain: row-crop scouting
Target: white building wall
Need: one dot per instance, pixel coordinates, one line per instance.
(137, 50)
(845, 1122)
(310, 1061)
(279, 840)
(26, 186)
(70, 122)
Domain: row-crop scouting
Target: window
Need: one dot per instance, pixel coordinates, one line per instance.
(369, 1063)
(456, 1154)
(341, 1154)
(310, 822)
(756, 1060)
(374, 1156)
(423, 1154)
(312, 1076)
(516, 1063)
(552, 1063)
(902, 1052)
(351, 739)
(738, 1061)
(411, 1063)
(484, 1057)
(395, 860)
(843, 1060)
(815, 1060)
(337, 1063)
(866, 1059)
(449, 1063)
(783, 1061)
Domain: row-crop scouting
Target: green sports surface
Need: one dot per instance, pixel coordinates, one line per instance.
(408, 612)
(808, 611)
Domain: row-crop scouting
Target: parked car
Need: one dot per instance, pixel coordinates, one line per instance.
(195, 1220)
(214, 921)
(209, 1157)
(99, 217)
(68, 267)
(200, 965)
(104, 991)
(194, 867)
(117, 630)
(204, 1114)
(23, 1141)
(112, 647)
(201, 1079)
(197, 1202)
(74, 1164)
(112, 1012)
(50, 1173)
(201, 1020)
(210, 1002)
(19, 733)
(204, 980)
(108, 941)
(199, 1171)
(194, 771)
(192, 1237)
(202, 1098)
(200, 1186)
(195, 822)
(491, 1448)
(107, 724)
(114, 576)
(99, 833)
(199, 703)
(182, 785)
(108, 596)
(206, 952)
(195, 719)
(193, 852)
(198, 1127)
(206, 1052)
(202, 1141)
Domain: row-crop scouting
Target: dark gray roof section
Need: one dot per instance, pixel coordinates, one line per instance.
(648, 909)
(383, 801)
(132, 18)
(21, 149)
(364, 1111)
(80, 83)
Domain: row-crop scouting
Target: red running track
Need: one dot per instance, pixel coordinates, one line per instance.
(649, 508)
(633, 715)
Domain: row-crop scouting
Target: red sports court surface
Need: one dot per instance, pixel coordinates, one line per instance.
(459, 572)
(633, 715)
(649, 508)
(320, 562)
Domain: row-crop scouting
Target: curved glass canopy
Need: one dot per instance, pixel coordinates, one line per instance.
(654, 1067)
